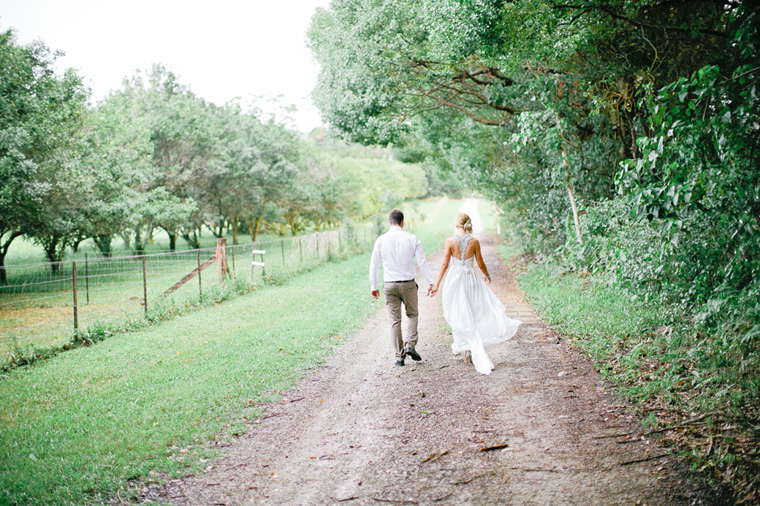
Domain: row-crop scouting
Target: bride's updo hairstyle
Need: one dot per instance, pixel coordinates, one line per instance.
(463, 221)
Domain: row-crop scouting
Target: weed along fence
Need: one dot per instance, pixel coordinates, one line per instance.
(42, 304)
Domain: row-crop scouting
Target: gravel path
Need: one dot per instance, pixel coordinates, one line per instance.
(541, 429)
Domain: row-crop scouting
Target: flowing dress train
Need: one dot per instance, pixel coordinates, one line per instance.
(477, 317)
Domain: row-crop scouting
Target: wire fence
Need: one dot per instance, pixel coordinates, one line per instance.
(42, 304)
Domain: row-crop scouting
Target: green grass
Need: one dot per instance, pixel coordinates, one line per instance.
(41, 314)
(650, 351)
(604, 321)
(83, 423)
(75, 429)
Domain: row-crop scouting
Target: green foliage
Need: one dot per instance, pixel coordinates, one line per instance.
(153, 156)
(40, 113)
(697, 178)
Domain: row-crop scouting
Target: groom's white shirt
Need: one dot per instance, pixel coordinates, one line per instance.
(397, 250)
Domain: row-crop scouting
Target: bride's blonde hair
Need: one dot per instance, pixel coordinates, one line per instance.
(464, 222)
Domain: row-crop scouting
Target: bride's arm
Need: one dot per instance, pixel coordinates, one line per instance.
(444, 266)
(481, 263)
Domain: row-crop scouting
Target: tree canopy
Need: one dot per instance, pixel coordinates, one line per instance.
(154, 156)
(561, 109)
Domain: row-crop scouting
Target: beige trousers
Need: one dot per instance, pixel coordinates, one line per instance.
(395, 295)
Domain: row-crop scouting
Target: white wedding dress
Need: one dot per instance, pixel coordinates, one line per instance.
(477, 317)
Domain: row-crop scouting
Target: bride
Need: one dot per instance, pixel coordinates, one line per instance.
(477, 317)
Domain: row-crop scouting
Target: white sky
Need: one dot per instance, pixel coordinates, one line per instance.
(221, 49)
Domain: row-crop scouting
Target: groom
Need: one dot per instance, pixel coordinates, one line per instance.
(397, 250)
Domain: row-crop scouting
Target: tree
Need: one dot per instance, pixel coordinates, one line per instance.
(39, 115)
(270, 168)
(115, 154)
(182, 132)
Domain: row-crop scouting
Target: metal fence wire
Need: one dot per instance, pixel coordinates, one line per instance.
(41, 304)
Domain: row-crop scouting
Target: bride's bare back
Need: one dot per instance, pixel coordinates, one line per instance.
(470, 250)
(451, 248)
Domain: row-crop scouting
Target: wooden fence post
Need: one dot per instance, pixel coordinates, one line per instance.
(86, 279)
(261, 263)
(221, 258)
(74, 291)
(145, 287)
(200, 285)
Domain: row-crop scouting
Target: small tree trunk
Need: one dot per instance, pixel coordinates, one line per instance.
(103, 242)
(127, 239)
(235, 229)
(571, 195)
(4, 251)
(138, 242)
(192, 239)
(76, 243)
(254, 227)
(54, 248)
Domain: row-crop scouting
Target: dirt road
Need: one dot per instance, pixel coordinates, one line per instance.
(541, 429)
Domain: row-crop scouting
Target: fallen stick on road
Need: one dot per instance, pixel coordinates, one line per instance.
(636, 461)
(493, 448)
(435, 456)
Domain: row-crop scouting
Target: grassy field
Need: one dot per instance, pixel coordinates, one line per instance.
(37, 307)
(143, 405)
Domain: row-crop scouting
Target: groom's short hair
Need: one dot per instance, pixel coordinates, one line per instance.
(396, 217)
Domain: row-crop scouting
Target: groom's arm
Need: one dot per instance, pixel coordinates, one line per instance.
(419, 255)
(374, 267)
